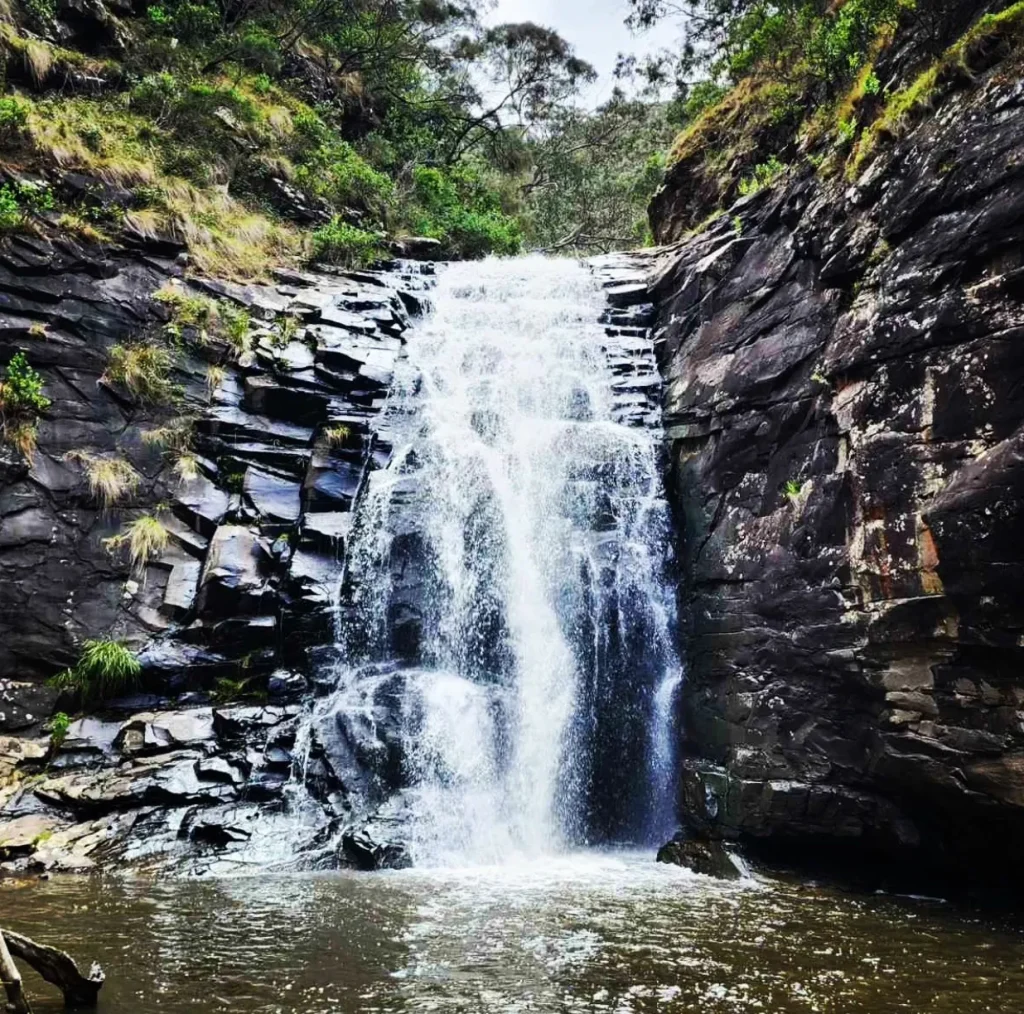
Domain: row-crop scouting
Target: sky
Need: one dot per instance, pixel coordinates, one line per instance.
(594, 27)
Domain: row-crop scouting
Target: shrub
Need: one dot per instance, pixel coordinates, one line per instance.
(765, 174)
(458, 208)
(13, 116)
(59, 726)
(145, 538)
(142, 370)
(341, 243)
(105, 668)
(331, 168)
(11, 216)
(235, 323)
(21, 402)
(21, 390)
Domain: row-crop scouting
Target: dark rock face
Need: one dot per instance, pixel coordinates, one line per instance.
(239, 600)
(236, 545)
(844, 411)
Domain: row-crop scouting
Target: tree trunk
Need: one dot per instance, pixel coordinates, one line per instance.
(55, 967)
(11, 978)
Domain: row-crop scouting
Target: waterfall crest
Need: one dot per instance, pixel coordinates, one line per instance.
(505, 623)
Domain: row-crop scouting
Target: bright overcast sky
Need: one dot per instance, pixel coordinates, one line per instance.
(594, 27)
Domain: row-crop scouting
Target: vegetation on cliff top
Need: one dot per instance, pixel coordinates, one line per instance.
(257, 132)
(767, 83)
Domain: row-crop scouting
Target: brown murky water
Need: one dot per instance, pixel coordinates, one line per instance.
(609, 934)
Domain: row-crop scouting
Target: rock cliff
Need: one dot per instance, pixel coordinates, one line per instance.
(844, 409)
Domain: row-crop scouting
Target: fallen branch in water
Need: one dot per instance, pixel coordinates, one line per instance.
(11, 979)
(56, 967)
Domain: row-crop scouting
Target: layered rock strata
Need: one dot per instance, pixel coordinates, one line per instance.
(845, 419)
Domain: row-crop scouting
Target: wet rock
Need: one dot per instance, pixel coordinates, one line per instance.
(285, 687)
(273, 498)
(417, 248)
(844, 422)
(153, 733)
(202, 504)
(362, 849)
(22, 836)
(702, 856)
(233, 580)
(24, 706)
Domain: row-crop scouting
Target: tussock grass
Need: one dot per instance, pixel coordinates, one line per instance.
(215, 377)
(105, 668)
(106, 139)
(186, 466)
(336, 436)
(76, 225)
(110, 479)
(142, 370)
(145, 539)
(22, 435)
(175, 436)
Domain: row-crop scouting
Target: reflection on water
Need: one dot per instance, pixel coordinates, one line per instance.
(595, 933)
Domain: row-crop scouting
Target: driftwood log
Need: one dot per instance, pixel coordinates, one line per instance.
(54, 966)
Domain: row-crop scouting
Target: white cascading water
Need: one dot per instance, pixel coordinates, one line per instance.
(540, 537)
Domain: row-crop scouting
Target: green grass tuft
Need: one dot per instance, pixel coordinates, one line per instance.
(104, 669)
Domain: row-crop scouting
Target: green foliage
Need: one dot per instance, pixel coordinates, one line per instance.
(11, 217)
(21, 402)
(792, 488)
(41, 12)
(104, 669)
(329, 167)
(458, 207)
(903, 105)
(13, 115)
(847, 131)
(189, 20)
(21, 391)
(839, 44)
(341, 243)
(60, 723)
(593, 176)
(765, 174)
(18, 200)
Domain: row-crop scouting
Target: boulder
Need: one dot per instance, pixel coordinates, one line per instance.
(233, 580)
(362, 849)
(702, 856)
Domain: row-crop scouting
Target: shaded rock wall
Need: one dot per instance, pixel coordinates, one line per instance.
(845, 412)
(257, 538)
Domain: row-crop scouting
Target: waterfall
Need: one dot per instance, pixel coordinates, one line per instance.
(505, 626)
